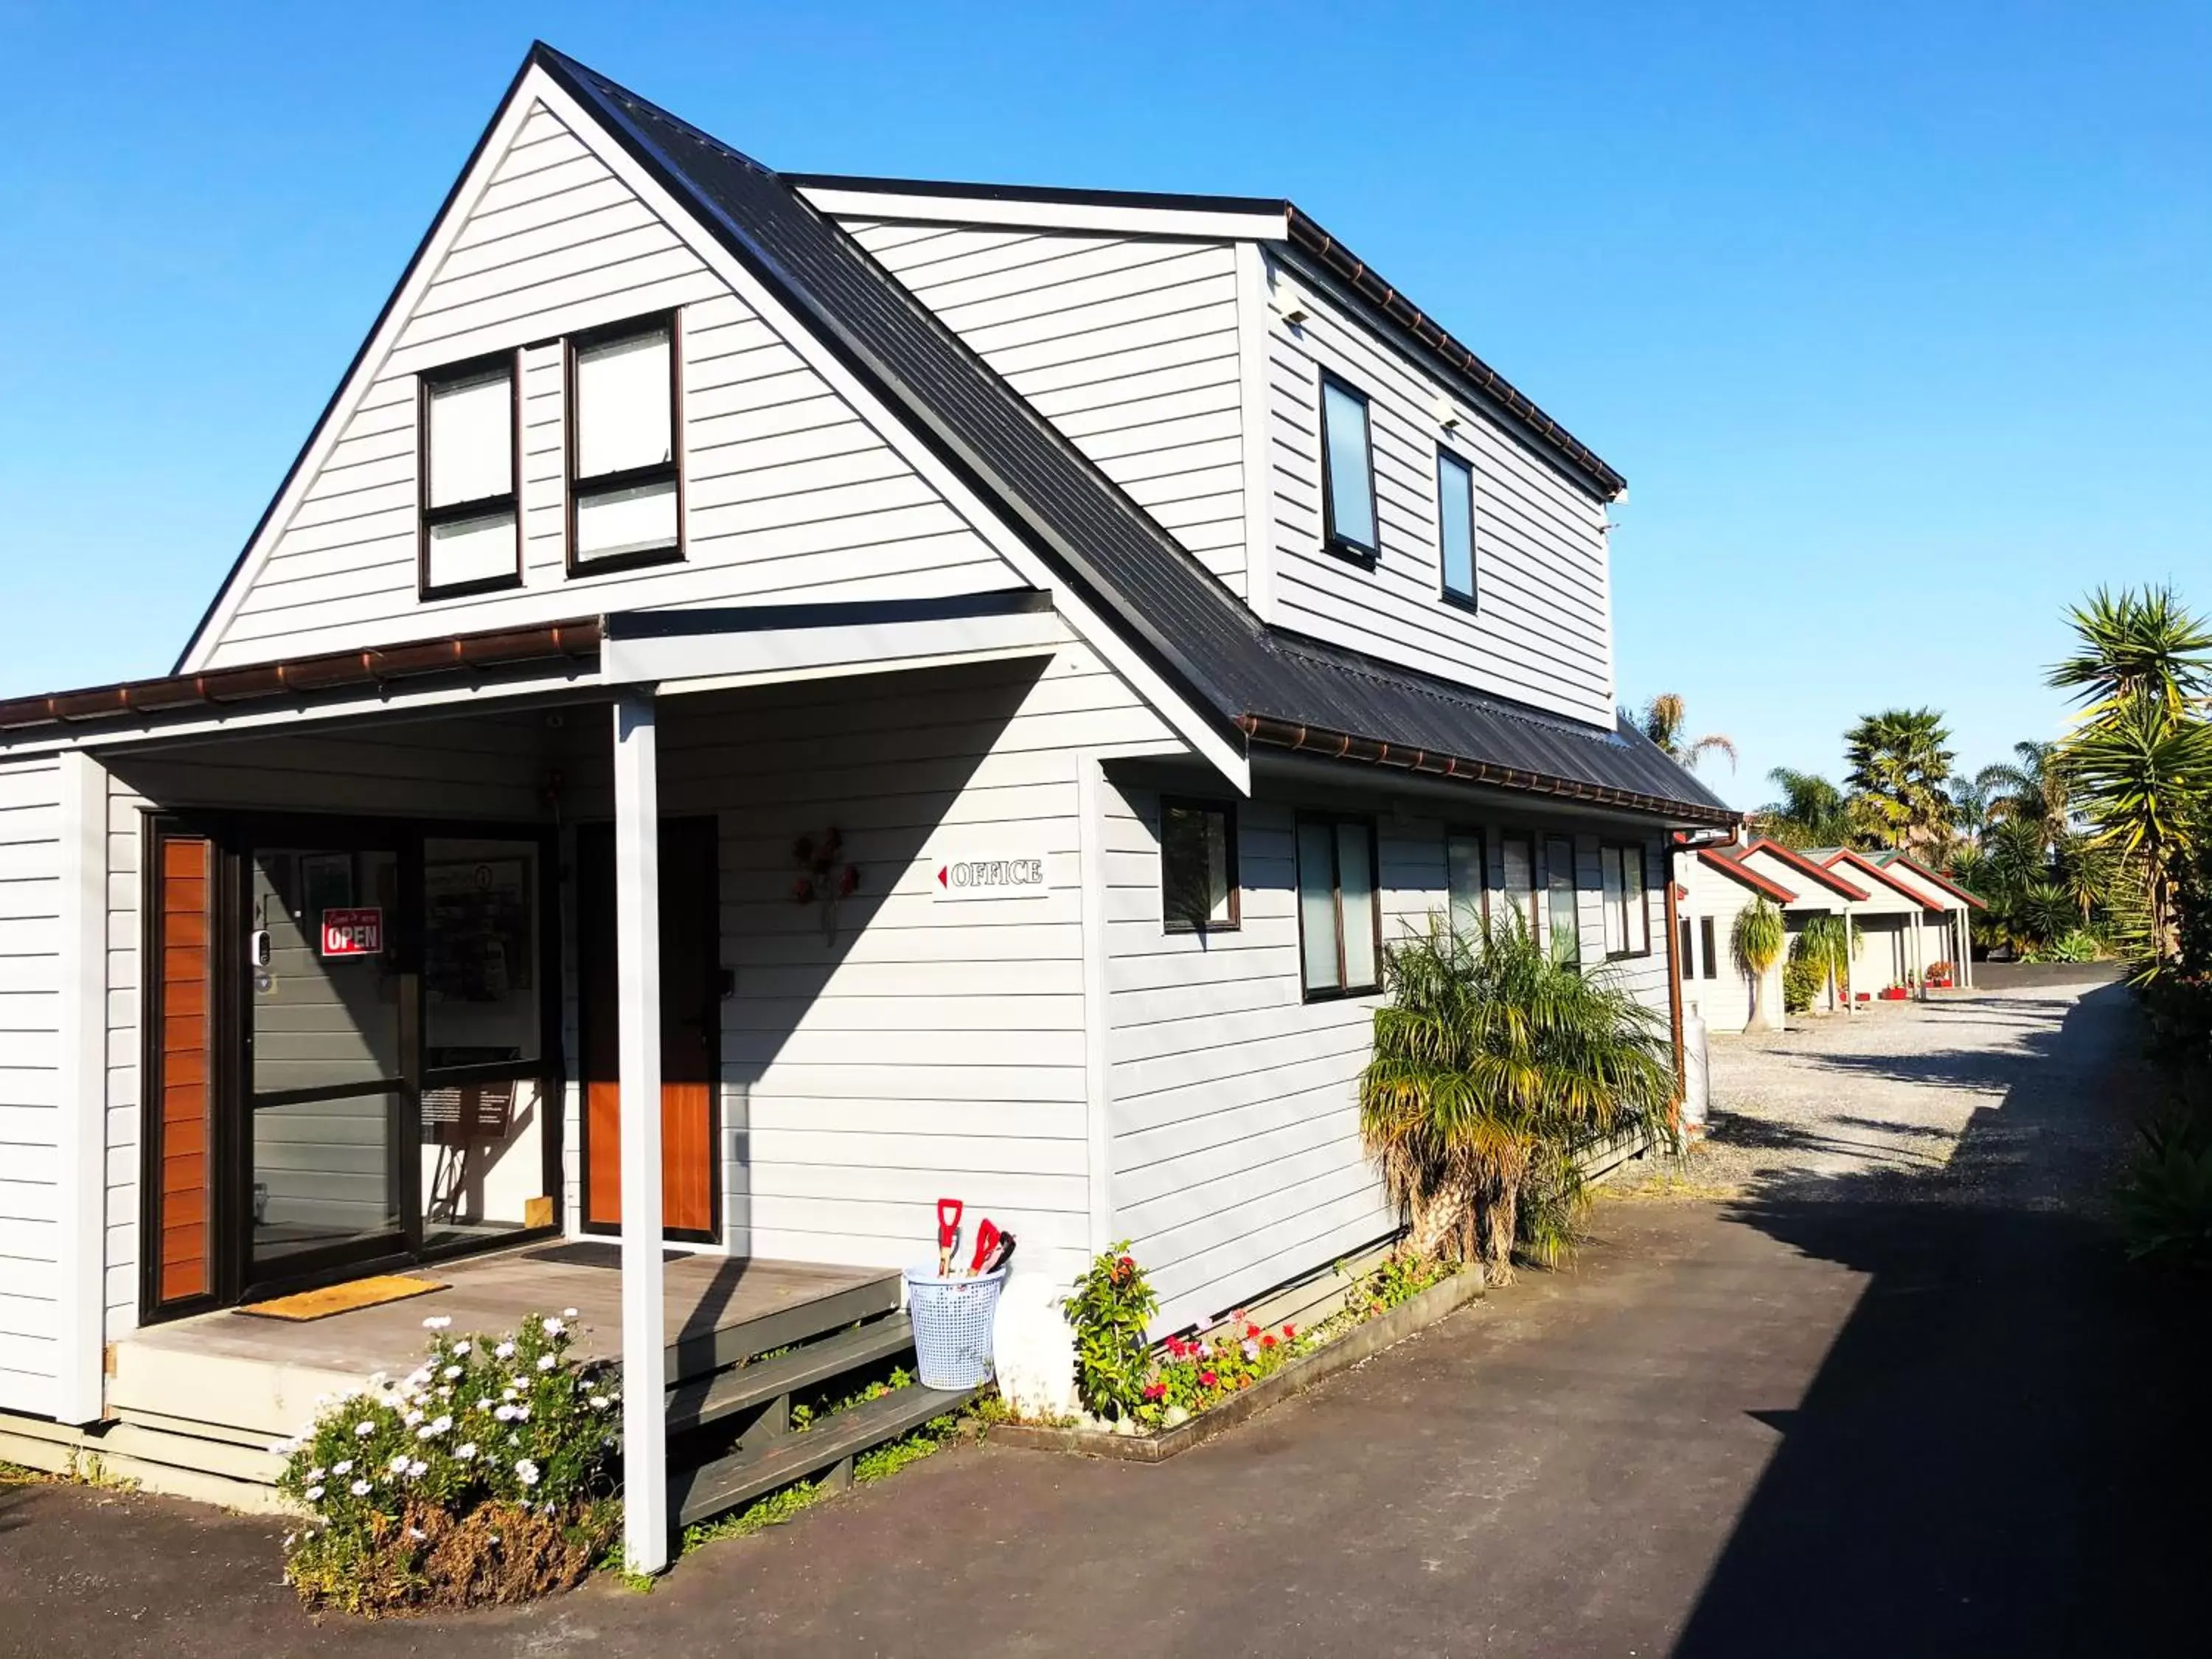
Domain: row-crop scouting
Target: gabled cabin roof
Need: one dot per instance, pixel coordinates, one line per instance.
(1718, 858)
(1274, 688)
(1898, 855)
(1810, 868)
(1832, 856)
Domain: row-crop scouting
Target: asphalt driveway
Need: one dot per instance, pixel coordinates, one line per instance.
(1805, 1400)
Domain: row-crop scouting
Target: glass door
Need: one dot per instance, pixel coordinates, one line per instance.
(330, 1171)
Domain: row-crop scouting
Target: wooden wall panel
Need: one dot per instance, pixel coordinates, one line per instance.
(185, 989)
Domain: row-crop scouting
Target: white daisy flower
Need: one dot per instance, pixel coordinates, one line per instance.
(527, 1471)
(415, 1469)
(313, 1493)
(399, 1463)
(359, 1489)
(522, 1413)
(567, 1313)
(505, 1350)
(460, 1347)
(465, 1451)
(343, 1466)
(505, 1413)
(450, 1372)
(546, 1362)
(364, 1428)
(411, 1417)
(553, 1328)
(598, 1402)
(317, 1475)
(417, 1531)
(439, 1423)
(437, 1322)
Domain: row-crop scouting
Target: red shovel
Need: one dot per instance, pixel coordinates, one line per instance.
(986, 1242)
(948, 1234)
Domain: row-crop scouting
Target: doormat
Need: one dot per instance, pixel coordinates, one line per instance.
(590, 1253)
(343, 1298)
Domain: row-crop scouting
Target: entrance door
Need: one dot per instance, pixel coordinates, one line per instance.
(329, 1172)
(690, 1027)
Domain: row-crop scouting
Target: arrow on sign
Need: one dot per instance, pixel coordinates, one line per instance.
(940, 875)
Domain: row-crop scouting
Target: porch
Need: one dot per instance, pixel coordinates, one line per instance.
(194, 1403)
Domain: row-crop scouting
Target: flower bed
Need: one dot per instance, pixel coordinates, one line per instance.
(1194, 1388)
(484, 1475)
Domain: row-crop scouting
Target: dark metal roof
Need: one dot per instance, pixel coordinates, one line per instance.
(1248, 678)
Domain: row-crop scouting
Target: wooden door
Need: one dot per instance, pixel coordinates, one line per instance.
(181, 1009)
(690, 1026)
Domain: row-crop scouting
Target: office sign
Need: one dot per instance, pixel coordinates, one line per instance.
(991, 867)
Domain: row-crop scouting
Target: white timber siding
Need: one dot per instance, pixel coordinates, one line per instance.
(1128, 345)
(1541, 632)
(1235, 1157)
(30, 1176)
(921, 1048)
(1719, 990)
(789, 495)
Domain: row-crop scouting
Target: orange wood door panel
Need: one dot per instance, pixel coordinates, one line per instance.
(184, 1026)
(690, 1025)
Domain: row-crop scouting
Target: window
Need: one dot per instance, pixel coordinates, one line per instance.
(1516, 860)
(1198, 868)
(1565, 919)
(1713, 955)
(470, 538)
(1455, 526)
(1467, 878)
(1340, 921)
(1685, 947)
(1627, 918)
(625, 497)
(1347, 472)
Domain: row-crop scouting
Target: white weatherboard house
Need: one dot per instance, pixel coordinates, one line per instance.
(947, 689)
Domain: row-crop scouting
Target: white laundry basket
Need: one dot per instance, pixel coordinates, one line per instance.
(952, 1326)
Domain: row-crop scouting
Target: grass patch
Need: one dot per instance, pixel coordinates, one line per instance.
(773, 1510)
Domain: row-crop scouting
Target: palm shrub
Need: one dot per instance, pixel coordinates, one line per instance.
(1825, 942)
(1493, 1065)
(1760, 938)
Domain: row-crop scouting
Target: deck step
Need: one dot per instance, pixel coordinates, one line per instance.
(701, 1400)
(713, 1488)
(700, 1354)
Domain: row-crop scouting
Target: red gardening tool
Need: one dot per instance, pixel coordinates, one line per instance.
(986, 1244)
(948, 1234)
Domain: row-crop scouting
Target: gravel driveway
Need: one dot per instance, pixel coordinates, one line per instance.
(1877, 1104)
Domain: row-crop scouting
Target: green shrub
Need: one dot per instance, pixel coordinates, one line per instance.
(1109, 1310)
(486, 1475)
(2166, 1202)
(1802, 980)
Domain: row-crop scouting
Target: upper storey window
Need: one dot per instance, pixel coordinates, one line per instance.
(1347, 469)
(1455, 526)
(625, 497)
(470, 538)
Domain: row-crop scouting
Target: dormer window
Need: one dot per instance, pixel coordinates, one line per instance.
(469, 539)
(1347, 472)
(625, 494)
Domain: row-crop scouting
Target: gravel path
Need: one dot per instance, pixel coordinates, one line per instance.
(1962, 1099)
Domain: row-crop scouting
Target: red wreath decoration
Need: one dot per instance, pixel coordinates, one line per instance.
(824, 875)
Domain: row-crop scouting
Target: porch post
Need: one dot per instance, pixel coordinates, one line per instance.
(637, 955)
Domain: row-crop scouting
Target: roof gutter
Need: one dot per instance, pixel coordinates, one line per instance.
(1373, 751)
(333, 671)
(1433, 335)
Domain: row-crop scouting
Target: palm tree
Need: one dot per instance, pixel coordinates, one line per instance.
(1812, 811)
(1663, 721)
(1760, 938)
(2031, 789)
(1900, 761)
(2141, 756)
(1970, 804)
(1490, 1058)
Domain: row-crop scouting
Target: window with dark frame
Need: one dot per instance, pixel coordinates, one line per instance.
(470, 538)
(1467, 878)
(1198, 868)
(1565, 917)
(625, 489)
(1627, 914)
(1347, 472)
(1455, 526)
(1339, 910)
(1712, 959)
(1516, 864)
(1685, 944)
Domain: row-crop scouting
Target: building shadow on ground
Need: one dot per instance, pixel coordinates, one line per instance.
(2003, 1453)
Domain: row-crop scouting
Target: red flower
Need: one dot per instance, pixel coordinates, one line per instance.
(1156, 1390)
(1207, 1379)
(1127, 1264)
(1251, 1330)
(1267, 1341)
(1290, 1333)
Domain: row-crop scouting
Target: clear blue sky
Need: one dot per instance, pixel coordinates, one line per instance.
(1898, 320)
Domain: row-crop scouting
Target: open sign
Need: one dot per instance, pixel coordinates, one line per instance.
(354, 931)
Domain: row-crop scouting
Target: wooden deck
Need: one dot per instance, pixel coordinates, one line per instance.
(239, 1380)
(703, 1296)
